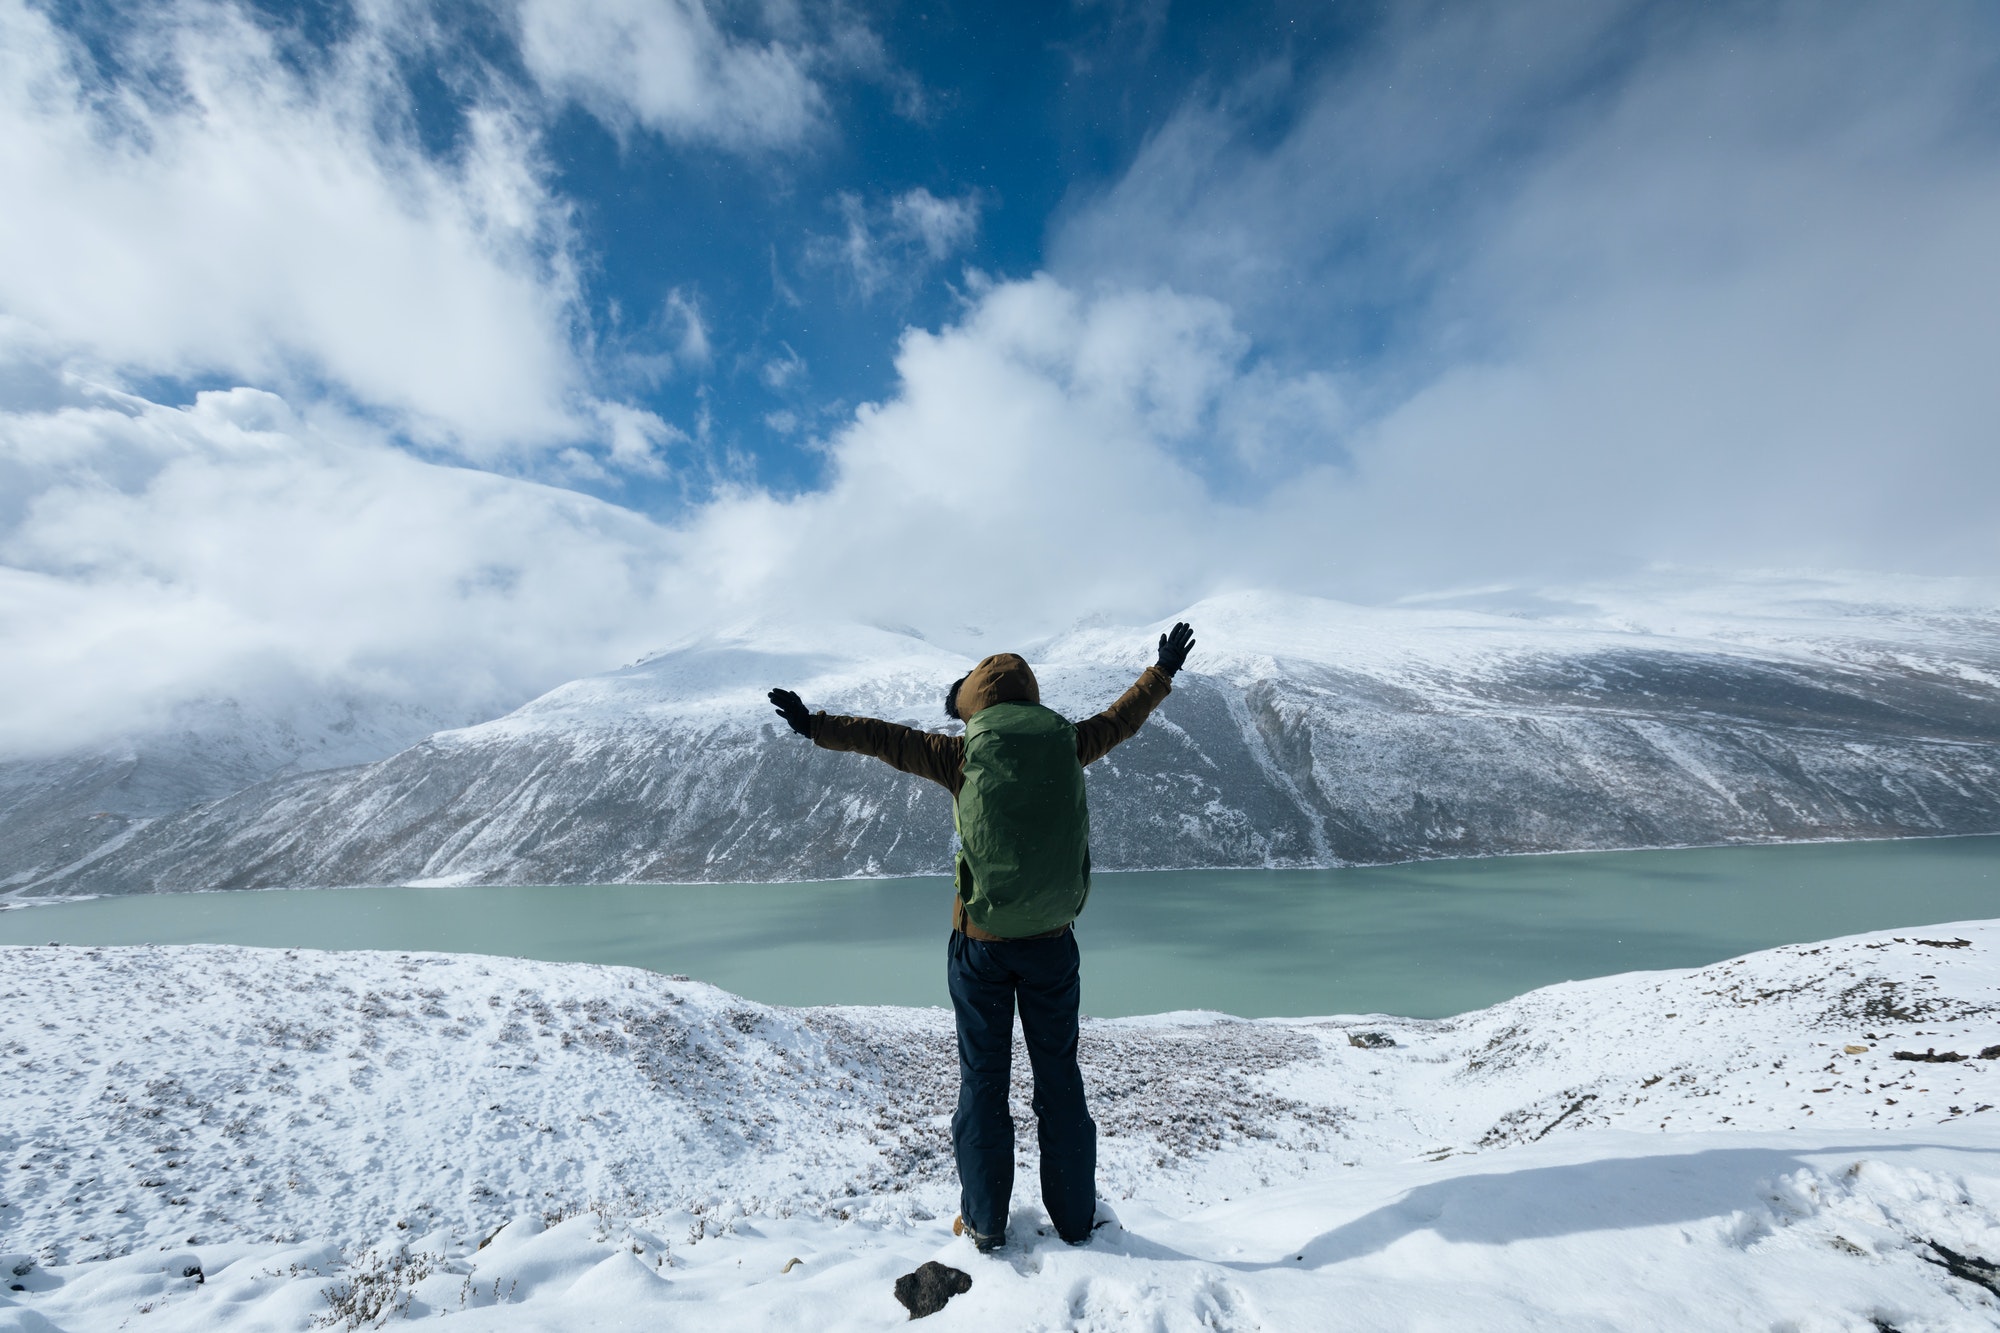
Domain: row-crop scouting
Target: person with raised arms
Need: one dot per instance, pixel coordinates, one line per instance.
(1022, 870)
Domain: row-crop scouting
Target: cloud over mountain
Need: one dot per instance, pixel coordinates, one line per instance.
(298, 359)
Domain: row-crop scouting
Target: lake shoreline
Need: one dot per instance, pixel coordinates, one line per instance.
(1425, 939)
(8, 904)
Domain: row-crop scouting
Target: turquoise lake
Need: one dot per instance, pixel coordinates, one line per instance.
(1424, 939)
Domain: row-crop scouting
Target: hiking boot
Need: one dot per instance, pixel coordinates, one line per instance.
(1105, 1217)
(984, 1244)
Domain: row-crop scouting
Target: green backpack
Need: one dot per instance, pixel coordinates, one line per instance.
(1023, 828)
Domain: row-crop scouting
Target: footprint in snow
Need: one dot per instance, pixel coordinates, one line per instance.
(1208, 1304)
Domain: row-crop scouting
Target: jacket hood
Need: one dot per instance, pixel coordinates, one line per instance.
(1003, 678)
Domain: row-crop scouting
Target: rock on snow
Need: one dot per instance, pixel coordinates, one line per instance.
(247, 1139)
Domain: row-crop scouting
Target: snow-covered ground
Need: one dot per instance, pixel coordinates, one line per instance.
(225, 1138)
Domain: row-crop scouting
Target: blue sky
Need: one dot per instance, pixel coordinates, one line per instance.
(1006, 114)
(788, 250)
(445, 351)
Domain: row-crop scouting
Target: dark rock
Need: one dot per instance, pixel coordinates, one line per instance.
(1370, 1041)
(925, 1291)
(1969, 1267)
(1931, 1056)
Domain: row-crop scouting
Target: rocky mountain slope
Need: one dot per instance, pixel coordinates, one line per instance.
(1305, 732)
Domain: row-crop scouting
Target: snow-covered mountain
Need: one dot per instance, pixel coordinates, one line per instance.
(62, 811)
(1305, 732)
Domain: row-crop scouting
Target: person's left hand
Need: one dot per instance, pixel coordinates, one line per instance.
(1174, 647)
(793, 710)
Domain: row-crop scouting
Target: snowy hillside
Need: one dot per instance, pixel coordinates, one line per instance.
(1305, 732)
(220, 1137)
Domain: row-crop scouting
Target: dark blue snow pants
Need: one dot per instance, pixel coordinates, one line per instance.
(988, 979)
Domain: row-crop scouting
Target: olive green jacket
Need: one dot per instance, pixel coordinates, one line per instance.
(1003, 678)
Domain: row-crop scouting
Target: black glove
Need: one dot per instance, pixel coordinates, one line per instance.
(1174, 646)
(793, 710)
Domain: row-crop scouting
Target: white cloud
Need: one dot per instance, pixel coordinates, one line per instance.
(1041, 460)
(1715, 292)
(668, 66)
(638, 438)
(781, 371)
(692, 347)
(1031, 468)
(1393, 159)
(258, 226)
(892, 245)
(940, 226)
(234, 550)
(856, 247)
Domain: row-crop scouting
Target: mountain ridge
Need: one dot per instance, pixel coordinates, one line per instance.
(1304, 733)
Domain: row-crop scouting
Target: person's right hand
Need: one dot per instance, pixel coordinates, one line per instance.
(1174, 647)
(793, 710)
